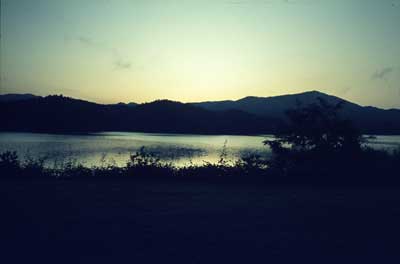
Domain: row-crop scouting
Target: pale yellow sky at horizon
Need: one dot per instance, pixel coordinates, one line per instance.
(140, 51)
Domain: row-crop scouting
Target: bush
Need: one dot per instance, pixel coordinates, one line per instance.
(144, 163)
(9, 164)
(299, 165)
(34, 168)
(252, 164)
(315, 142)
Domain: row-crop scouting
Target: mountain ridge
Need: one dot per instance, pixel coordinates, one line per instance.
(248, 115)
(12, 97)
(17, 97)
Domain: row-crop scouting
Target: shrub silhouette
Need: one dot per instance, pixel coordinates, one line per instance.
(11, 167)
(9, 164)
(252, 165)
(349, 162)
(318, 127)
(314, 141)
(144, 163)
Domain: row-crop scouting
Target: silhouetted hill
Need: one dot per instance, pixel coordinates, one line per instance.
(368, 119)
(53, 114)
(175, 117)
(269, 106)
(62, 114)
(131, 104)
(16, 97)
(250, 115)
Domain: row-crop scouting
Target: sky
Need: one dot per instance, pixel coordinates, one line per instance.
(112, 51)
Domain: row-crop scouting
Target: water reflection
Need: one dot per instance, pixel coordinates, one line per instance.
(115, 147)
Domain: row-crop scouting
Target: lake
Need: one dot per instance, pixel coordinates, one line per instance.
(115, 147)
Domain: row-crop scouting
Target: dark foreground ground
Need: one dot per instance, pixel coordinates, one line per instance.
(192, 222)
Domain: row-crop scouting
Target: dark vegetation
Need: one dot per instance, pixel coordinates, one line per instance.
(315, 145)
(16, 97)
(58, 114)
(224, 217)
(369, 120)
(158, 221)
(250, 115)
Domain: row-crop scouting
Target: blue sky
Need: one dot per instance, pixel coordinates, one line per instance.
(127, 50)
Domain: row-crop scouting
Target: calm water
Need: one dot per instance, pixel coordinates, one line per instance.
(115, 147)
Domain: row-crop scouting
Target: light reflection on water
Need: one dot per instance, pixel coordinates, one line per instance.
(115, 147)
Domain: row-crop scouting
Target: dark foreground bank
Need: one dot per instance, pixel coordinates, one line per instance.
(145, 221)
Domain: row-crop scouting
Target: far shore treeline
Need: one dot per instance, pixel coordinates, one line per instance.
(314, 145)
(250, 115)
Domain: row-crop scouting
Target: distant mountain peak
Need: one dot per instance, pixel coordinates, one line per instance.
(273, 106)
(250, 114)
(316, 94)
(250, 97)
(313, 93)
(13, 97)
(163, 102)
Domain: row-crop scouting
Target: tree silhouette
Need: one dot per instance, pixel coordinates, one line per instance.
(314, 135)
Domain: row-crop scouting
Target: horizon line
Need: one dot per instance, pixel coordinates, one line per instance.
(195, 102)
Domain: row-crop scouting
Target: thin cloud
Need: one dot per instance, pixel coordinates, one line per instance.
(345, 90)
(121, 64)
(239, 2)
(249, 2)
(92, 43)
(382, 74)
(119, 61)
(87, 41)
